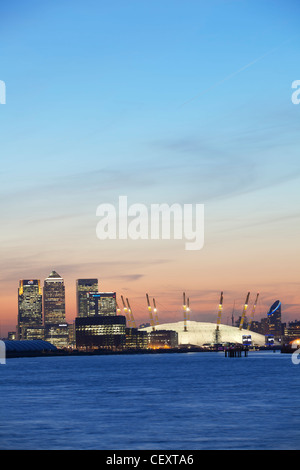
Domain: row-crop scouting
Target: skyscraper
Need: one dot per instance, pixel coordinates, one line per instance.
(30, 314)
(56, 328)
(274, 320)
(101, 303)
(83, 287)
(100, 327)
(54, 299)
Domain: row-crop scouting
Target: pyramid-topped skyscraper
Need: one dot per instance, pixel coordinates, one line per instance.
(55, 310)
(54, 275)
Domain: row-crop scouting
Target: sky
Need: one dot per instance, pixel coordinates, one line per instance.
(171, 101)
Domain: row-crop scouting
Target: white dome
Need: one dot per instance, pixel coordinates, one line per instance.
(199, 333)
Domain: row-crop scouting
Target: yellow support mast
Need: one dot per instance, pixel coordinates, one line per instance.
(184, 313)
(118, 309)
(188, 310)
(130, 314)
(150, 313)
(252, 313)
(244, 311)
(125, 309)
(155, 312)
(220, 310)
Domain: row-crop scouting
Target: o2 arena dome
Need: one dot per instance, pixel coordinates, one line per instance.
(200, 333)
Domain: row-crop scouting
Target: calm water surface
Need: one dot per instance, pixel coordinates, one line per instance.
(164, 401)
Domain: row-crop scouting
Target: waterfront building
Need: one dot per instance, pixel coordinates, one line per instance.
(19, 348)
(56, 328)
(136, 339)
(100, 331)
(83, 287)
(291, 332)
(30, 313)
(72, 338)
(163, 339)
(203, 333)
(35, 332)
(58, 335)
(12, 335)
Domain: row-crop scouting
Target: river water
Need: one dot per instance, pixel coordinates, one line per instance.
(190, 401)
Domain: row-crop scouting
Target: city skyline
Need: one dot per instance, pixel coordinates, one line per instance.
(231, 314)
(162, 102)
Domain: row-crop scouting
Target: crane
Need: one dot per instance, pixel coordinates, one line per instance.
(130, 314)
(126, 312)
(150, 313)
(244, 311)
(253, 311)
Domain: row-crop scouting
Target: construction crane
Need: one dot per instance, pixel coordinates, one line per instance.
(253, 311)
(220, 309)
(125, 309)
(130, 314)
(244, 311)
(155, 311)
(150, 313)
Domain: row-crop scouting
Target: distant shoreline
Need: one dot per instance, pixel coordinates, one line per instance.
(108, 352)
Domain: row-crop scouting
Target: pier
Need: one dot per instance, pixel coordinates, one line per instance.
(236, 352)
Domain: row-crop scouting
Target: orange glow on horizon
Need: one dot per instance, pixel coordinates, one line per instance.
(167, 289)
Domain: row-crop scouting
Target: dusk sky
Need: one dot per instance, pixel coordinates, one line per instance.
(169, 101)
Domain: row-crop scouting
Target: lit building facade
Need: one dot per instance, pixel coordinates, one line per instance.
(102, 331)
(163, 339)
(136, 339)
(56, 328)
(83, 287)
(101, 303)
(30, 310)
(291, 331)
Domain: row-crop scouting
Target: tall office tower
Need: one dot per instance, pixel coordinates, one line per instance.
(101, 303)
(30, 314)
(274, 320)
(56, 328)
(83, 286)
